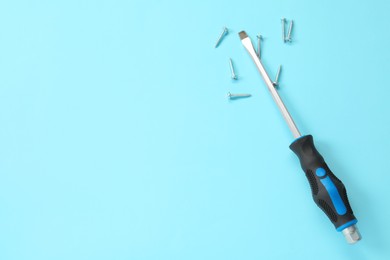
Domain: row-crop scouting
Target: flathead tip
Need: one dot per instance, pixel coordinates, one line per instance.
(242, 35)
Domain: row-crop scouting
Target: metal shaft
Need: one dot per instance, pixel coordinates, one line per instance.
(259, 46)
(290, 122)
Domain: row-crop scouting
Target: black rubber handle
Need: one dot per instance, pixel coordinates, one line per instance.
(328, 191)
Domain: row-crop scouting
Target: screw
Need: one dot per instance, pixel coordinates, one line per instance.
(289, 31)
(276, 82)
(234, 96)
(259, 37)
(224, 32)
(232, 69)
(283, 29)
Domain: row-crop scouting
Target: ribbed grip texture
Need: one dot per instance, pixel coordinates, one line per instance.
(312, 181)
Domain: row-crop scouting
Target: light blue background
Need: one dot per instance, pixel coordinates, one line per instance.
(117, 140)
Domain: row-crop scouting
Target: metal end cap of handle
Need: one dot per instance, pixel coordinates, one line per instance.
(352, 234)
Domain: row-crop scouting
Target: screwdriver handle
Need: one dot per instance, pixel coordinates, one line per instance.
(328, 191)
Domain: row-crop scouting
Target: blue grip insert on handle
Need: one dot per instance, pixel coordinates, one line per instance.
(332, 191)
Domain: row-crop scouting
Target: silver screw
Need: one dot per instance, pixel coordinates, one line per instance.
(276, 82)
(233, 96)
(232, 69)
(289, 31)
(224, 32)
(259, 37)
(283, 29)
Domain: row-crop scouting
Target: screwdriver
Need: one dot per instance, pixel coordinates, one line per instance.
(328, 191)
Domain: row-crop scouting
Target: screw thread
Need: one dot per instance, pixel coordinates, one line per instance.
(283, 29)
(225, 30)
(290, 31)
